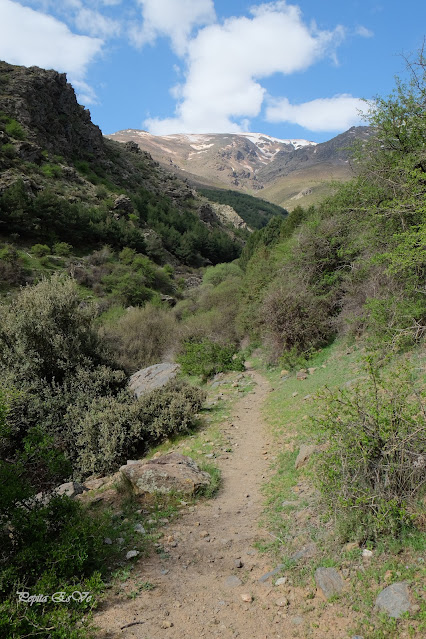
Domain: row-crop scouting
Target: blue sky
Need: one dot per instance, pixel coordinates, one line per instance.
(289, 69)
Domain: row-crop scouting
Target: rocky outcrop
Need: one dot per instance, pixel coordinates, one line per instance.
(165, 474)
(227, 215)
(153, 377)
(46, 106)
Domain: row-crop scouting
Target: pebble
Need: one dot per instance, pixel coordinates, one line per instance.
(281, 581)
(247, 598)
(367, 553)
(108, 541)
(204, 534)
(139, 528)
(238, 563)
(167, 624)
(132, 553)
(120, 540)
(282, 603)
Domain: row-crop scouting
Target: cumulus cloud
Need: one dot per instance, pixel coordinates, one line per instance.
(175, 19)
(225, 64)
(324, 114)
(32, 38)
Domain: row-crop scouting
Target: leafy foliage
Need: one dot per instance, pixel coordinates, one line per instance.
(206, 358)
(372, 470)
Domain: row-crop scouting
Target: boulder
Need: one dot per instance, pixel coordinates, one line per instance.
(329, 582)
(169, 473)
(394, 600)
(305, 452)
(156, 376)
(70, 489)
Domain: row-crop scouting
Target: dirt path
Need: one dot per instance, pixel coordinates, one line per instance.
(199, 588)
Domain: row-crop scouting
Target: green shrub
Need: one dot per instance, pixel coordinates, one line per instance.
(15, 130)
(8, 150)
(62, 248)
(40, 250)
(206, 358)
(372, 469)
(112, 429)
(52, 170)
(143, 336)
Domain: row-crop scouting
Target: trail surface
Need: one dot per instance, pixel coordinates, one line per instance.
(199, 589)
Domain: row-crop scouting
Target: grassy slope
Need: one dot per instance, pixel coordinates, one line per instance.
(296, 526)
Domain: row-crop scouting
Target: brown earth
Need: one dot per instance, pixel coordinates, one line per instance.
(197, 593)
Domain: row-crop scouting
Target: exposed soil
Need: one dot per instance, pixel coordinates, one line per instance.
(196, 592)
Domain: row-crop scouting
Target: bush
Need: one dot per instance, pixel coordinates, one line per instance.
(112, 429)
(372, 470)
(40, 250)
(62, 249)
(143, 336)
(15, 130)
(206, 358)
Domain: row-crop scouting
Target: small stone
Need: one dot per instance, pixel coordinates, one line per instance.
(204, 534)
(108, 541)
(120, 540)
(305, 452)
(307, 397)
(282, 603)
(312, 370)
(328, 582)
(209, 455)
(139, 528)
(301, 376)
(281, 581)
(132, 553)
(247, 598)
(367, 553)
(238, 563)
(395, 600)
(233, 581)
(357, 637)
(295, 394)
(167, 624)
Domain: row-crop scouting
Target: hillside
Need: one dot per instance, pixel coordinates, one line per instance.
(62, 182)
(280, 171)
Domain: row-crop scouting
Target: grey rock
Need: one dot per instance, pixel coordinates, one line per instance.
(238, 563)
(107, 541)
(281, 581)
(139, 528)
(305, 452)
(305, 552)
(328, 582)
(271, 573)
(395, 600)
(233, 581)
(70, 489)
(131, 554)
(153, 377)
(120, 540)
(168, 473)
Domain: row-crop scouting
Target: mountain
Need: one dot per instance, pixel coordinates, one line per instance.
(223, 160)
(285, 171)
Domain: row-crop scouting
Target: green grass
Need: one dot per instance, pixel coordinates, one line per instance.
(393, 559)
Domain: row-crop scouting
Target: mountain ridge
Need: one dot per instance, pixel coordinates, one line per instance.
(252, 162)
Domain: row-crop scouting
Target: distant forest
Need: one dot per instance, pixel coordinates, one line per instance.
(254, 211)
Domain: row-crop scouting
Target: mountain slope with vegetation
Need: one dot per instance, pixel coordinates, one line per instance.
(351, 268)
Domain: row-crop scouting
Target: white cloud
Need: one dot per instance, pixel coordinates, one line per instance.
(225, 64)
(175, 19)
(96, 24)
(364, 32)
(32, 38)
(324, 114)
